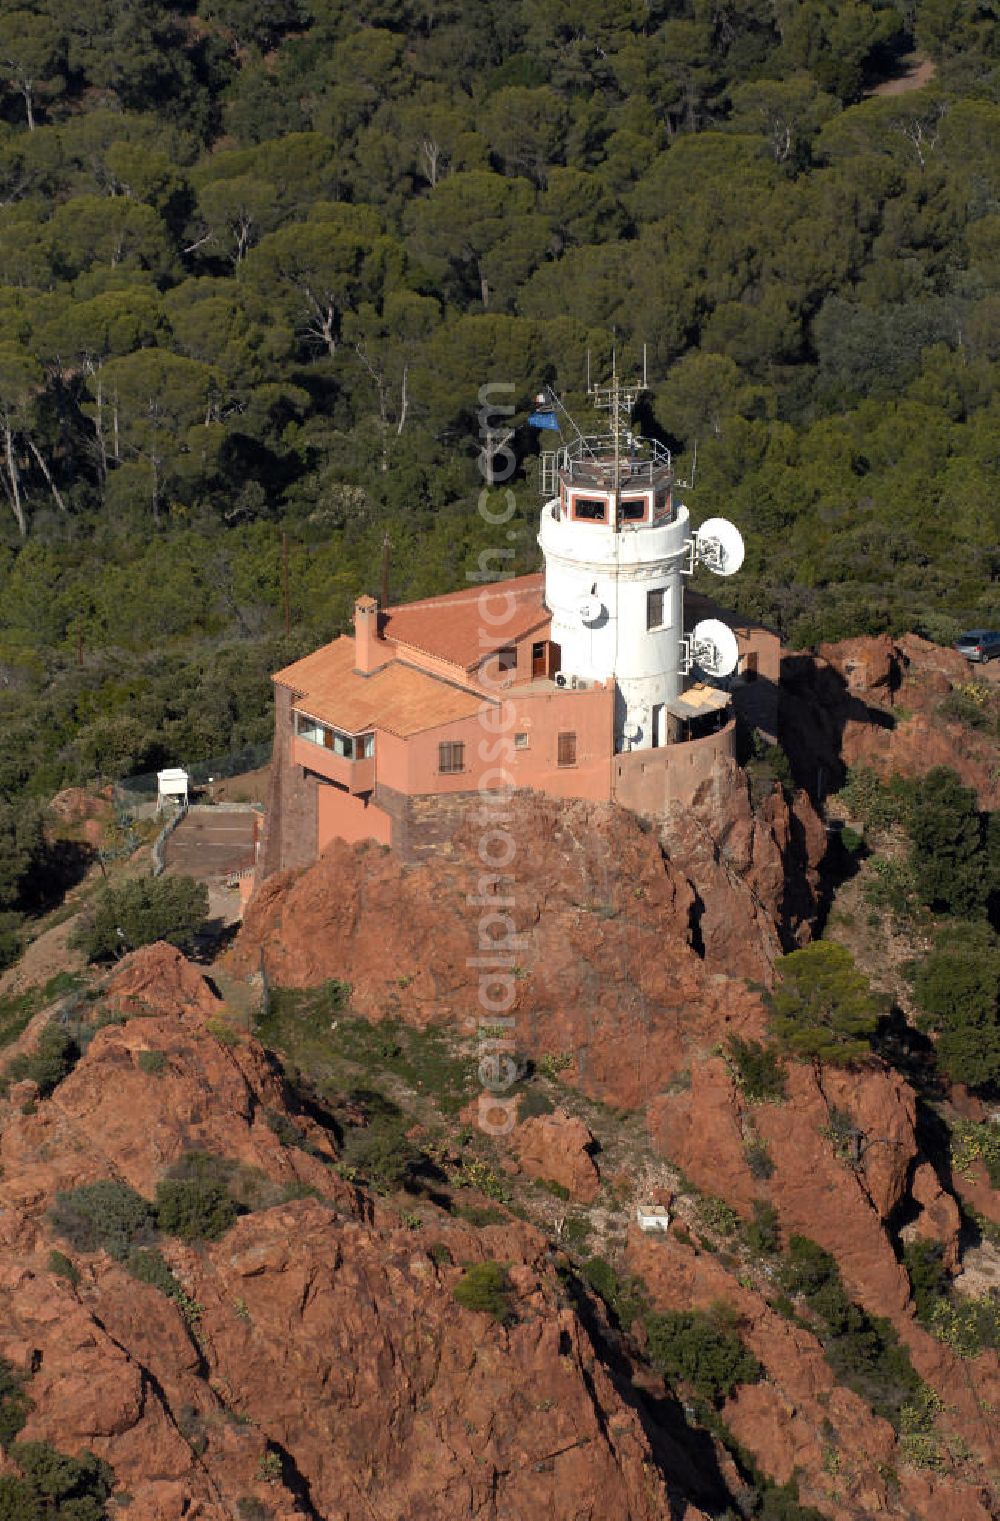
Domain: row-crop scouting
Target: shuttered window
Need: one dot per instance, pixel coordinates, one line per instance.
(567, 750)
(654, 607)
(451, 758)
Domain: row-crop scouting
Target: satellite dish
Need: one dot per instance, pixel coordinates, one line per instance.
(719, 546)
(713, 647)
(590, 609)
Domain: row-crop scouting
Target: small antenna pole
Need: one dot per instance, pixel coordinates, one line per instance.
(616, 427)
(644, 387)
(588, 372)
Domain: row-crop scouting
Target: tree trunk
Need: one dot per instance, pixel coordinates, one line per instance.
(102, 448)
(43, 467)
(15, 481)
(26, 91)
(484, 288)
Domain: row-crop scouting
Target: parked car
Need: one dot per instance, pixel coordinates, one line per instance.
(979, 644)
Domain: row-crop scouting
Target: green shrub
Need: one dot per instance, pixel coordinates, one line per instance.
(971, 1143)
(14, 1404)
(63, 1267)
(54, 1487)
(701, 1349)
(759, 1161)
(863, 1350)
(968, 1326)
(558, 1190)
(958, 988)
(139, 912)
(11, 941)
(152, 1063)
(866, 797)
(929, 1281)
(716, 1215)
(53, 1058)
(106, 1216)
(624, 1297)
(148, 1266)
(193, 1201)
(822, 1007)
(759, 1069)
(484, 1286)
(762, 1232)
(249, 1508)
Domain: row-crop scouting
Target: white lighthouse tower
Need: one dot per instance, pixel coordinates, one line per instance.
(617, 545)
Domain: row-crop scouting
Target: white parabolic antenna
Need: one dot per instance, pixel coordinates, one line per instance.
(720, 546)
(591, 609)
(713, 647)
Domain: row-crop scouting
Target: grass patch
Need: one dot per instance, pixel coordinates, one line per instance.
(309, 1027)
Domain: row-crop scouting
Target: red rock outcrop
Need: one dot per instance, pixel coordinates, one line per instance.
(877, 702)
(320, 1358)
(596, 922)
(556, 1148)
(159, 979)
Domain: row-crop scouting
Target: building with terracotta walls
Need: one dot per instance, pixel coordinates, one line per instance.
(577, 681)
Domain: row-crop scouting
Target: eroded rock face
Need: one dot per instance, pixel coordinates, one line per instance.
(321, 1363)
(557, 1148)
(598, 923)
(877, 702)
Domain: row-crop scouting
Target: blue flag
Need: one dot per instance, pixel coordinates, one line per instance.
(544, 420)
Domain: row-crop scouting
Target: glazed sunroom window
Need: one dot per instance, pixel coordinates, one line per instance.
(350, 746)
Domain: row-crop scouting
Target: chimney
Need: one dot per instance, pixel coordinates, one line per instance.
(369, 653)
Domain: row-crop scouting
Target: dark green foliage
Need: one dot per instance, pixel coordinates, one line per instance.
(949, 845)
(929, 1280)
(14, 1404)
(957, 986)
(10, 938)
(193, 1201)
(485, 1286)
(249, 1508)
(106, 1216)
(759, 1068)
(865, 796)
(762, 1231)
(53, 1058)
(63, 1267)
(624, 1297)
(822, 1007)
(766, 766)
(701, 1349)
(141, 911)
(153, 1063)
(54, 1487)
(759, 1161)
(863, 1350)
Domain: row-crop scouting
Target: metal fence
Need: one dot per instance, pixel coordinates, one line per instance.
(136, 791)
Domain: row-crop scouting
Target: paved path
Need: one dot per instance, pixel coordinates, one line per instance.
(211, 842)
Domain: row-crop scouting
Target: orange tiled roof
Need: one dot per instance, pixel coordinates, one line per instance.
(450, 626)
(398, 698)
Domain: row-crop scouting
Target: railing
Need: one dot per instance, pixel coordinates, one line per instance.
(160, 843)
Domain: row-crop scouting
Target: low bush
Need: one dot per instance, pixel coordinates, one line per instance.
(716, 1215)
(10, 938)
(929, 1281)
(193, 1201)
(139, 912)
(63, 1267)
(152, 1063)
(759, 1161)
(863, 1350)
(54, 1058)
(106, 1215)
(701, 1349)
(484, 1286)
(55, 1487)
(14, 1404)
(759, 1069)
(624, 1297)
(762, 1233)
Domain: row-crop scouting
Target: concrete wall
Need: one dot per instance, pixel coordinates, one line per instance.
(341, 816)
(648, 780)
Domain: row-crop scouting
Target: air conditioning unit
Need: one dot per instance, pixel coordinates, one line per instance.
(561, 679)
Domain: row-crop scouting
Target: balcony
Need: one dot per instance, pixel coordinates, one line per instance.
(347, 759)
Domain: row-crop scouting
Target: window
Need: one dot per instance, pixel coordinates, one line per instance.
(507, 658)
(633, 509)
(655, 607)
(520, 741)
(365, 746)
(451, 758)
(567, 750)
(589, 511)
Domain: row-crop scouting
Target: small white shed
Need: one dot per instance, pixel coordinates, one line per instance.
(171, 787)
(652, 1217)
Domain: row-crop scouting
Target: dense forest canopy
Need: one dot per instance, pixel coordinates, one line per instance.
(257, 258)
